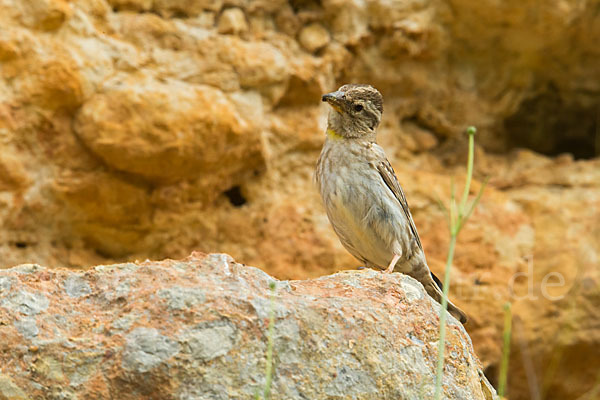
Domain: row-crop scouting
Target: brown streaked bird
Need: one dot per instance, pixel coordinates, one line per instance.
(361, 194)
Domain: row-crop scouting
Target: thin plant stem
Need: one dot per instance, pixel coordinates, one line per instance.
(453, 211)
(442, 342)
(505, 349)
(457, 216)
(471, 132)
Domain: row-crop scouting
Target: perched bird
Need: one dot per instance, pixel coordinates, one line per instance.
(361, 194)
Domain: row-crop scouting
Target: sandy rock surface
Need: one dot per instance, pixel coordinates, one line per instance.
(197, 328)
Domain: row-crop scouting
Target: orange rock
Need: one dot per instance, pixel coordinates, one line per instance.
(148, 129)
(313, 37)
(232, 20)
(99, 214)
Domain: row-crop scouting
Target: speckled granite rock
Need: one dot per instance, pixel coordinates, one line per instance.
(196, 329)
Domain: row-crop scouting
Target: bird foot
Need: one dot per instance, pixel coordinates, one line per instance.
(392, 265)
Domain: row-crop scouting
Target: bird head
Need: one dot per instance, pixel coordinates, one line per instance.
(356, 111)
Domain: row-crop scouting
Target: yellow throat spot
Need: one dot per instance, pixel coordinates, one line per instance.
(333, 134)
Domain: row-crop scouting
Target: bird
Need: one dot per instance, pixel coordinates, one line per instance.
(362, 197)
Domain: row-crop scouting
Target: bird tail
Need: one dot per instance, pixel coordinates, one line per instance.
(434, 289)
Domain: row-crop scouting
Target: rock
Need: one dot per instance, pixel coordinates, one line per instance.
(232, 20)
(46, 15)
(95, 201)
(27, 327)
(27, 303)
(256, 63)
(52, 83)
(145, 349)
(76, 286)
(9, 390)
(358, 334)
(180, 298)
(313, 37)
(148, 129)
(12, 171)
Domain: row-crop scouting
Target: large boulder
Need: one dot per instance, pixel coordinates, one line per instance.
(199, 329)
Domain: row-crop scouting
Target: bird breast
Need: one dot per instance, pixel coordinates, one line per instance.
(362, 210)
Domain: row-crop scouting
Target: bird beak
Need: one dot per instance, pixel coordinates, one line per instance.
(334, 99)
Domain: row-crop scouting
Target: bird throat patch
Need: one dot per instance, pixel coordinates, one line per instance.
(333, 134)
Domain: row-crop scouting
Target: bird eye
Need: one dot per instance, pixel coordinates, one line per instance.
(358, 108)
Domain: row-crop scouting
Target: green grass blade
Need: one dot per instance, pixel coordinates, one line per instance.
(442, 342)
(471, 132)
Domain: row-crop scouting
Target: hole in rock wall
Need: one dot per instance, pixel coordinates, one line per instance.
(298, 5)
(549, 124)
(235, 197)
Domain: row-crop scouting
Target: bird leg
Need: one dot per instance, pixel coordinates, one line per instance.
(390, 268)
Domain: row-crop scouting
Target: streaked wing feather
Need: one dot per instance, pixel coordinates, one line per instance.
(389, 177)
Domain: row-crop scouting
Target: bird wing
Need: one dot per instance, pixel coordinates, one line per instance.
(389, 177)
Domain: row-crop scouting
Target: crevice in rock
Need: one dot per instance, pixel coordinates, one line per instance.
(550, 123)
(235, 196)
(491, 373)
(180, 14)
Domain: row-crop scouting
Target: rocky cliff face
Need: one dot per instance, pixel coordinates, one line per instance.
(136, 129)
(198, 329)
